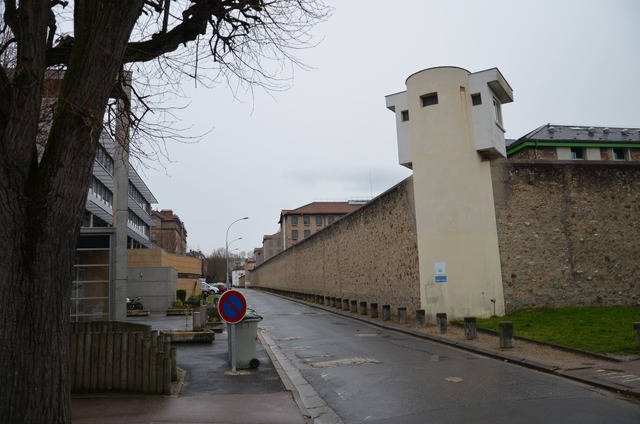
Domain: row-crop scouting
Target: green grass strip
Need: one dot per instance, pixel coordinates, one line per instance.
(594, 329)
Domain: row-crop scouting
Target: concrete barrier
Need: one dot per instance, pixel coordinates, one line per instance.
(363, 308)
(506, 335)
(470, 329)
(402, 315)
(345, 304)
(441, 322)
(386, 312)
(374, 310)
(420, 318)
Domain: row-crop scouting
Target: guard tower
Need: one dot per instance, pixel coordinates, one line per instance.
(449, 124)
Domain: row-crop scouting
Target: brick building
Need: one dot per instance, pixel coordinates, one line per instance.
(169, 232)
(565, 142)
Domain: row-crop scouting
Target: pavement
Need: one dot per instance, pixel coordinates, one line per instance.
(209, 392)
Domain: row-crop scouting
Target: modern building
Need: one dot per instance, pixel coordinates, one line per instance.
(449, 125)
(169, 232)
(93, 287)
(570, 142)
(299, 224)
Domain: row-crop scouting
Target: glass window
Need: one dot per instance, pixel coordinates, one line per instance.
(330, 219)
(577, 153)
(306, 219)
(319, 220)
(429, 99)
(405, 115)
(618, 154)
(497, 111)
(294, 234)
(294, 221)
(307, 233)
(476, 99)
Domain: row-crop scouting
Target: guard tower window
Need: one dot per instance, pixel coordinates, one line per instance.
(429, 99)
(476, 99)
(405, 115)
(497, 111)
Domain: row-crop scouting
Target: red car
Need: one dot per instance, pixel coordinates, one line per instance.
(220, 286)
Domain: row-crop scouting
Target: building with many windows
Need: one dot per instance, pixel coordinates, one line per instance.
(299, 224)
(570, 142)
(93, 289)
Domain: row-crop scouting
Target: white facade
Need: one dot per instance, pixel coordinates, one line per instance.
(451, 123)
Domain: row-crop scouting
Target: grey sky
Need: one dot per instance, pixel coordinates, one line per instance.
(330, 136)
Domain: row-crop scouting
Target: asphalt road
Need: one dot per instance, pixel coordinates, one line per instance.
(353, 372)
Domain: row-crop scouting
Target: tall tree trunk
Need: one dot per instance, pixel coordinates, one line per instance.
(42, 204)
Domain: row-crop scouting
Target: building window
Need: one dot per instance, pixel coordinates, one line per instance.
(577, 153)
(307, 233)
(306, 219)
(476, 99)
(429, 99)
(294, 221)
(294, 234)
(405, 115)
(319, 220)
(618, 153)
(330, 219)
(497, 111)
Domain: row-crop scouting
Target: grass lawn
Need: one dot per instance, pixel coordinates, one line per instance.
(594, 329)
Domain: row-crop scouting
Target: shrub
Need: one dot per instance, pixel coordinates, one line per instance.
(181, 295)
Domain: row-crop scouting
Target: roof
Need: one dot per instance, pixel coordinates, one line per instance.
(324, 208)
(553, 134)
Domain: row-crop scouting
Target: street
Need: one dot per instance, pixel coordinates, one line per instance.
(362, 373)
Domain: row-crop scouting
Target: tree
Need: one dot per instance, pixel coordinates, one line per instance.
(43, 190)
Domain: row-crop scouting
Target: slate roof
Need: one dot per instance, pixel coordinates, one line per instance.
(564, 134)
(323, 208)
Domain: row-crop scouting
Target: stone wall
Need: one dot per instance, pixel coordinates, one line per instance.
(369, 255)
(569, 233)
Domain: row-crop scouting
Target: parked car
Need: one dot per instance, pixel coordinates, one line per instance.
(220, 286)
(208, 289)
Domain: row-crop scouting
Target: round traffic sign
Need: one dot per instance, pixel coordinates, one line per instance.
(232, 306)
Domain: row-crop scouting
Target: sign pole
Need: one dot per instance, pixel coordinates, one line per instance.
(232, 334)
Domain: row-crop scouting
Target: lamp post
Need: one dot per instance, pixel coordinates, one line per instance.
(226, 276)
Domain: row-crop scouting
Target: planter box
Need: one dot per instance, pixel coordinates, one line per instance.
(204, 336)
(217, 327)
(137, 312)
(179, 311)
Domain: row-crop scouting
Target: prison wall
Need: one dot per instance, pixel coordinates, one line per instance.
(569, 232)
(367, 256)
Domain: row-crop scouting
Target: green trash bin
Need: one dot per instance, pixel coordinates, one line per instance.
(246, 339)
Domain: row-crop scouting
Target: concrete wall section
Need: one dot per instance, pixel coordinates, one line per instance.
(157, 286)
(369, 255)
(568, 233)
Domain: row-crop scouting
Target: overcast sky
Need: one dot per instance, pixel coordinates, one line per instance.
(330, 137)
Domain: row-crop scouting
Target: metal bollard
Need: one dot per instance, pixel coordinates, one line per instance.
(420, 318)
(363, 308)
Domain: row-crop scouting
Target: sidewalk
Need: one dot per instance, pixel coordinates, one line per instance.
(210, 392)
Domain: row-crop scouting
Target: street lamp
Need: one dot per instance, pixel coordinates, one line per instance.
(226, 276)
